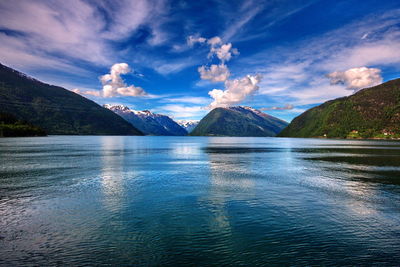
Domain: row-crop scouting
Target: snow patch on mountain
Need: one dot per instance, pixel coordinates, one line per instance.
(189, 125)
(148, 122)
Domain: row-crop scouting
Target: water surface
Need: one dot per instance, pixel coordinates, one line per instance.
(75, 200)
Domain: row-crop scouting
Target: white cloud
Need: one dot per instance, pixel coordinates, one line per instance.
(215, 73)
(114, 85)
(69, 28)
(17, 54)
(356, 78)
(224, 52)
(235, 91)
(214, 41)
(66, 31)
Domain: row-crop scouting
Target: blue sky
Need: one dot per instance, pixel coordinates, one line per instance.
(182, 58)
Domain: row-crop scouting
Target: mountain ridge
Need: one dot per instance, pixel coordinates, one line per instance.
(238, 121)
(148, 122)
(372, 112)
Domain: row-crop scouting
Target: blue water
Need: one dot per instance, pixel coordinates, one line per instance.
(74, 200)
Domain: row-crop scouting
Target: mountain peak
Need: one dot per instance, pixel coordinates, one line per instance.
(145, 112)
(238, 121)
(241, 108)
(117, 107)
(189, 125)
(148, 122)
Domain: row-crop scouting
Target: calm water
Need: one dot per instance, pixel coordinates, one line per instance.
(71, 200)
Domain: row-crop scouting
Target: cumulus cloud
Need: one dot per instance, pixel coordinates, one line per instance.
(356, 78)
(214, 41)
(285, 107)
(223, 52)
(215, 73)
(114, 85)
(235, 91)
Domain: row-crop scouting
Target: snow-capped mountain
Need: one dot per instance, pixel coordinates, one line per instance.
(189, 125)
(117, 108)
(148, 122)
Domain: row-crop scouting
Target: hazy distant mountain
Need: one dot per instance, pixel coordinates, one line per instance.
(188, 125)
(55, 109)
(371, 112)
(148, 122)
(238, 121)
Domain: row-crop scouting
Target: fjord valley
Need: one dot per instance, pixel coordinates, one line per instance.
(370, 113)
(59, 111)
(199, 133)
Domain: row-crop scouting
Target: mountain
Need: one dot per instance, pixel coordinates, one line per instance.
(148, 122)
(370, 113)
(55, 109)
(238, 121)
(10, 126)
(188, 125)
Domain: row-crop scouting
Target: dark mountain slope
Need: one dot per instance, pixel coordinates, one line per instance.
(55, 109)
(238, 121)
(370, 113)
(10, 126)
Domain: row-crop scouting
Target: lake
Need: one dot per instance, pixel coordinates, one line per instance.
(110, 200)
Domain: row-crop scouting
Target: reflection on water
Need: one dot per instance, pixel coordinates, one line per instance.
(198, 201)
(112, 171)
